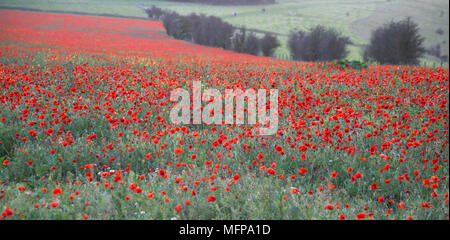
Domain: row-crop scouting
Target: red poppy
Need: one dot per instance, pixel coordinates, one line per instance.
(57, 191)
(178, 151)
(211, 199)
(54, 204)
(360, 216)
(178, 208)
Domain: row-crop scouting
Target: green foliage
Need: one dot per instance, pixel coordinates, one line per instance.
(344, 64)
(7, 140)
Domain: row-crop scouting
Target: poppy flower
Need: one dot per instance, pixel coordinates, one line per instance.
(178, 151)
(278, 149)
(236, 177)
(210, 199)
(54, 204)
(7, 212)
(178, 208)
(57, 191)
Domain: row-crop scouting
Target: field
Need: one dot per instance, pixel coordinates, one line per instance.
(354, 18)
(85, 130)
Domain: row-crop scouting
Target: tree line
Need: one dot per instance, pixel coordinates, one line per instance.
(212, 31)
(393, 43)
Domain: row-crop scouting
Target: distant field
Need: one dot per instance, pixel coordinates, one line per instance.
(354, 18)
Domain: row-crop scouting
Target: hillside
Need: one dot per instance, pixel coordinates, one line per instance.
(70, 33)
(354, 18)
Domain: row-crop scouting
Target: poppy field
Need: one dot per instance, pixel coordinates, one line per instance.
(85, 131)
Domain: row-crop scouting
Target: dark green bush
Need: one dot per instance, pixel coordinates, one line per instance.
(320, 44)
(395, 43)
(268, 44)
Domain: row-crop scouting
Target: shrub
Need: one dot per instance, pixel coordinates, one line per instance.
(321, 44)
(343, 64)
(396, 43)
(154, 12)
(178, 26)
(268, 44)
(237, 39)
(251, 44)
(211, 31)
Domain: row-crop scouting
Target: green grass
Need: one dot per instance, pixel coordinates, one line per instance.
(353, 18)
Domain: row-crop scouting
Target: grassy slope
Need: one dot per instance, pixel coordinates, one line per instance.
(354, 18)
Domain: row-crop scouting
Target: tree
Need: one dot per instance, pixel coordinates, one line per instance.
(237, 40)
(208, 30)
(251, 44)
(154, 12)
(396, 43)
(211, 31)
(177, 26)
(320, 44)
(268, 44)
